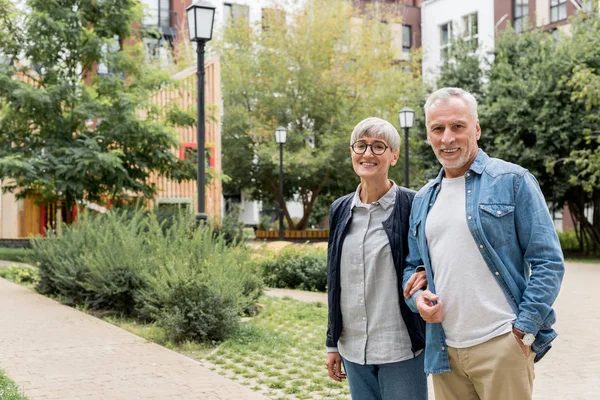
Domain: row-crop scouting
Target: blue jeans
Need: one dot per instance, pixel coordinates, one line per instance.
(400, 380)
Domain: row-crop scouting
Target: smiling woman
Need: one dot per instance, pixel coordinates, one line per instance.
(368, 235)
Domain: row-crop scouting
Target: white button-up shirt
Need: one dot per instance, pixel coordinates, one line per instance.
(373, 329)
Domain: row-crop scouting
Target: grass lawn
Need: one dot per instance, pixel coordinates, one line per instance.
(281, 353)
(8, 389)
(15, 254)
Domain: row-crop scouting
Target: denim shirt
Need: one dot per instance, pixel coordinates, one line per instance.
(509, 220)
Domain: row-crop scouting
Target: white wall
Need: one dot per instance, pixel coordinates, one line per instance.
(435, 13)
(255, 8)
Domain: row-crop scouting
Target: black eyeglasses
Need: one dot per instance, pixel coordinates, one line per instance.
(377, 148)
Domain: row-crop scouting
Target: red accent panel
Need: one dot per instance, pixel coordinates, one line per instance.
(211, 156)
(74, 214)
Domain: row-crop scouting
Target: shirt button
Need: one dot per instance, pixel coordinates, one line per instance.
(443, 348)
(468, 174)
(469, 191)
(497, 273)
(481, 246)
(364, 318)
(469, 217)
(430, 204)
(499, 212)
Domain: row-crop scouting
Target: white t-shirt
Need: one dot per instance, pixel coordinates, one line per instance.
(475, 308)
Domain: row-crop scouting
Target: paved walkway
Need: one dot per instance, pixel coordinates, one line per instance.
(55, 352)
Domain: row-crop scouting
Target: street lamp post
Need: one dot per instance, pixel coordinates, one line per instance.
(407, 117)
(201, 16)
(280, 136)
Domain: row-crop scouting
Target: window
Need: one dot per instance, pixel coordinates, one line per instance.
(112, 47)
(520, 12)
(445, 39)
(406, 38)
(558, 10)
(232, 11)
(189, 152)
(272, 17)
(587, 5)
(158, 14)
(471, 30)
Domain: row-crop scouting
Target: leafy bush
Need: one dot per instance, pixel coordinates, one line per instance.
(570, 244)
(568, 241)
(131, 264)
(231, 228)
(195, 311)
(21, 275)
(296, 267)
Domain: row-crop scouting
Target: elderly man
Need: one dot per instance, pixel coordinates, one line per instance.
(482, 233)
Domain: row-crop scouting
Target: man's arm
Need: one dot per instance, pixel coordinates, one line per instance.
(542, 252)
(413, 261)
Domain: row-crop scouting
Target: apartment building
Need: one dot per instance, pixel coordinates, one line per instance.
(481, 20)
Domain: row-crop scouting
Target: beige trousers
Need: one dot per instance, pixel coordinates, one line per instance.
(494, 370)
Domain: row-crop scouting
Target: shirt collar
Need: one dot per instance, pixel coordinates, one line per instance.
(386, 201)
(477, 166)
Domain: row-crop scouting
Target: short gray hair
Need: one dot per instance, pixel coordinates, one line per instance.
(444, 94)
(377, 128)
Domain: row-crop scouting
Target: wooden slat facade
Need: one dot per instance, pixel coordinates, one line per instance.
(185, 97)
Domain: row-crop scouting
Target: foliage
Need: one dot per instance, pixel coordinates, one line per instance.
(67, 134)
(296, 267)
(568, 241)
(127, 263)
(231, 228)
(20, 275)
(317, 75)
(539, 116)
(195, 311)
(8, 389)
(539, 109)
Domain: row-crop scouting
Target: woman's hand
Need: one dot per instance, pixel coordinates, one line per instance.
(334, 366)
(417, 281)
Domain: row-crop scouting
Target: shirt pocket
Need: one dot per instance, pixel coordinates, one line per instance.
(497, 220)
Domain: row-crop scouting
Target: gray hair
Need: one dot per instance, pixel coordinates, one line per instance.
(444, 94)
(376, 128)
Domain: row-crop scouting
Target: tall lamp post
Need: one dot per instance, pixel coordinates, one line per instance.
(201, 16)
(280, 136)
(407, 117)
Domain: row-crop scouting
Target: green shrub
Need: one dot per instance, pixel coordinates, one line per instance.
(9, 390)
(296, 267)
(195, 311)
(231, 228)
(134, 265)
(568, 241)
(21, 275)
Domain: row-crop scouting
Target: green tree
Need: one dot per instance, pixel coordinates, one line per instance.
(541, 114)
(465, 67)
(67, 134)
(318, 75)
